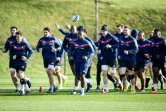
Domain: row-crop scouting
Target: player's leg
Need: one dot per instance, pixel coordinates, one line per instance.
(88, 79)
(105, 78)
(98, 77)
(57, 71)
(156, 70)
(137, 75)
(13, 75)
(23, 81)
(130, 68)
(83, 70)
(122, 72)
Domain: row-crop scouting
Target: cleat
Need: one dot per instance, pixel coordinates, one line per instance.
(88, 90)
(81, 93)
(29, 83)
(133, 91)
(121, 87)
(115, 85)
(55, 89)
(126, 87)
(21, 93)
(17, 90)
(27, 92)
(89, 85)
(154, 92)
(129, 87)
(50, 90)
(64, 81)
(137, 88)
(104, 90)
(142, 90)
(74, 92)
(60, 87)
(147, 82)
(98, 88)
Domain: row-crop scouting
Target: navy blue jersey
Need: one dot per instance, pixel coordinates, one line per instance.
(47, 43)
(158, 48)
(11, 40)
(92, 43)
(108, 53)
(129, 44)
(64, 32)
(20, 49)
(118, 35)
(144, 47)
(80, 48)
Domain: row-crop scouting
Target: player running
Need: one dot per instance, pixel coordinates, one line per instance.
(20, 52)
(158, 57)
(6, 48)
(49, 45)
(108, 46)
(127, 58)
(142, 58)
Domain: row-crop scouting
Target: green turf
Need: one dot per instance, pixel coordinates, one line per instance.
(62, 100)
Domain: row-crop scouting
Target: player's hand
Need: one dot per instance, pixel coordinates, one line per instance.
(40, 50)
(68, 26)
(108, 46)
(14, 57)
(118, 57)
(71, 58)
(58, 59)
(99, 51)
(57, 26)
(23, 58)
(146, 56)
(126, 52)
(3, 50)
(157, 56)
(84, 57)
(53, 50)
(101, 58)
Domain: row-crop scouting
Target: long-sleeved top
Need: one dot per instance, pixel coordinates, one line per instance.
(108, 53)
(144, 47)
(129, 44)
(20, 49)
(47, 43)
(118, 35)
(11, 40)
(64, 32)
(92, 43)
(158, 48)
(80, 48)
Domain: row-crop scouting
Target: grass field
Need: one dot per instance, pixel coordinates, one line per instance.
(62, 100)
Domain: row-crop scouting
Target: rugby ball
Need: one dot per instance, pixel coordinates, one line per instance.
(75, 18)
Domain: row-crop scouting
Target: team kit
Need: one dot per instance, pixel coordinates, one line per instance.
(128, 48)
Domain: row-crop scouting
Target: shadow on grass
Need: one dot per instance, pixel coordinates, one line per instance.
(35, 92)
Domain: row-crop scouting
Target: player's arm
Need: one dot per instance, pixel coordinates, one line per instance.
(61, 30)
(6, 47)
(134, 49)
(39, 46)
(30, 51)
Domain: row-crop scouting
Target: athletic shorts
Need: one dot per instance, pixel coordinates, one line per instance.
(160, 65)
(81, 68)
(128, 65)
(49, 63)
(11, 63)
(109, 62)
(141, 66)
(20, 67)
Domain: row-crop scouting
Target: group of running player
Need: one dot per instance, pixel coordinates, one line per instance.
(133, 52)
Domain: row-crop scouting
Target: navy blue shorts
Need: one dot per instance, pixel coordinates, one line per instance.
(47, 62)
(141, 66)
(109, 62)
(71, 62)
(20, 67)
(11, 63)
(81, 68)
(128, 65)
(160, 65)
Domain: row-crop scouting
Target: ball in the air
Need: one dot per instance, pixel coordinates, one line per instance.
(75, 18)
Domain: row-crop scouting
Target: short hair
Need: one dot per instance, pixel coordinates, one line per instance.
(47, 29)
(120, 25)
(127, 27)
(19, 33)
(141, 32)
(13, 27)
(157, 30)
